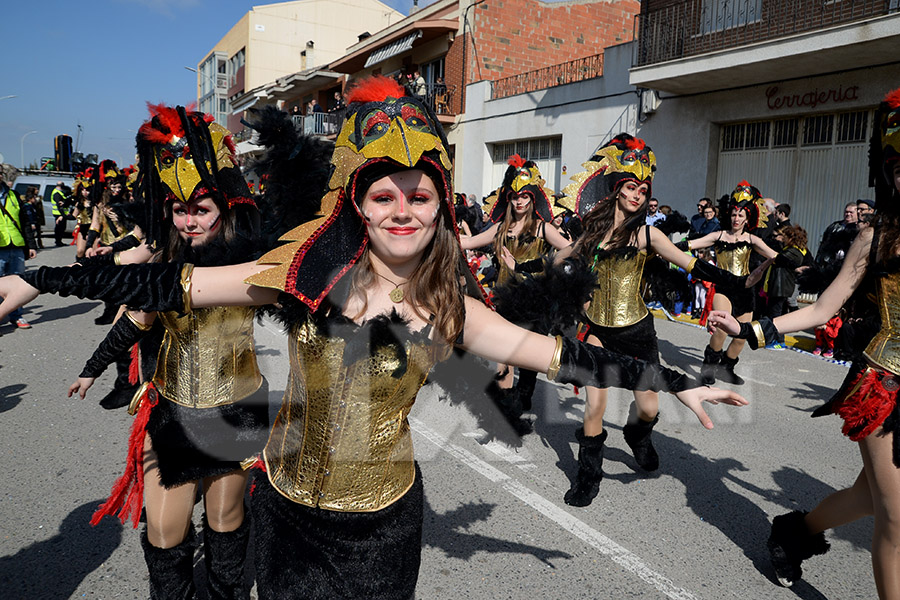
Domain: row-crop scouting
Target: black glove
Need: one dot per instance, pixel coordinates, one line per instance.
(91, 237)
(126, 243)
(707, 272)
(583, 364)
(149, 287)
(121, 337)
(683, 245)
(750, 333)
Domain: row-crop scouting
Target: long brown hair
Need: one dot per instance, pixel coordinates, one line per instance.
(433, 291)
(175, 245)
(600, 221)
(529, 228)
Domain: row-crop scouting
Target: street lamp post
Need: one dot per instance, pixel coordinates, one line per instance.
(23, 146)
(208, 77)
(8, 97)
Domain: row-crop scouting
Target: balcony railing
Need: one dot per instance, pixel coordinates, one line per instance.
(547, 77)
(695, 27)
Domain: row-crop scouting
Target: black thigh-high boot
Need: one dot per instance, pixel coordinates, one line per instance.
(726, 371)
(590, 469)
(524, 388)
(224, 556)
(108, 315)
(637, 436)
(711, 360)
(123, 390)
(171, 569)
(790, 543)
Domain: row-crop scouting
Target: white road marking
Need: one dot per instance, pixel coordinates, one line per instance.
(618, 554)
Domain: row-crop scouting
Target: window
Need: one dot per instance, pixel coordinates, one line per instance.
(853, 127)
(541, 149)
(733, 137)
(785, 133)
(758, 135)
(818, 130)
(431, 71)
(718, 15)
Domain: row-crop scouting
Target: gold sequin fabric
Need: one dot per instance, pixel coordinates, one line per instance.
(617, 301)
(207, 357)
(522, 251)
(341, 440)
(884, 349)
(734, 258)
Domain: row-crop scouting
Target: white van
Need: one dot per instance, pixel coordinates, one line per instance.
(45, 181)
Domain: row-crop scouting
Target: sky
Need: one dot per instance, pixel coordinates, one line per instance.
(97, 63)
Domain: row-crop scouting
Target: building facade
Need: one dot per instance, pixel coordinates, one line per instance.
(276, 40)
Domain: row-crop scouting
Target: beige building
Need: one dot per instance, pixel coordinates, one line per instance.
(275, 40)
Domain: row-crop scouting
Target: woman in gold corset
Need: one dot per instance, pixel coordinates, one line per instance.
(867, 400)
(522, 235)
(206, 404)
(82, 213)
(733, 248)
(611, 197)
(373, 293)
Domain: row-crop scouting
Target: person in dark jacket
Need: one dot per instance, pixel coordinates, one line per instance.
(781, 278)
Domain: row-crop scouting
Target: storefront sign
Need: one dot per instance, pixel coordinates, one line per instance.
(776, 100)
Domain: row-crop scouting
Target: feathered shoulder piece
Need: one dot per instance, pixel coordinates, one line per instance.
(295, 167)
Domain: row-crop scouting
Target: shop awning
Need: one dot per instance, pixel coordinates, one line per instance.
(392, 49)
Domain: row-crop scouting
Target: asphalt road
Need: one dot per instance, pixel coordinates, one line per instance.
(495, 523)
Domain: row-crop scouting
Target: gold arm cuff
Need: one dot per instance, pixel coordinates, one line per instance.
(248, 462)
(690, 248)
(553, 369)
(117, 259)
(135, 403)
(186, 273)
(138, 324)
(693, 262)
(760, 336)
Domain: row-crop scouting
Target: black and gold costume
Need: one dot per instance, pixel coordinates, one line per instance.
(735, 258)
(617, 314)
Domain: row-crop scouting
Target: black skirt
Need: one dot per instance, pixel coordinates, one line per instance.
(192, 443)
(741, 299)
(637, 340)
(317, 554)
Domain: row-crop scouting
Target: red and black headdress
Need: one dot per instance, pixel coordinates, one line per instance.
(521, 176)
(384, 132)
(624, 158)
(748, 198)
(884, 154)
(183, 155)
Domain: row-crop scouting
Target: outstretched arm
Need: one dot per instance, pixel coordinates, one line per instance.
(555, 238)
(491, 336)
(482, 239)
(151, 287)
(829, 302)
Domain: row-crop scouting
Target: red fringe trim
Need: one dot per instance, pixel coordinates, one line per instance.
(375, 89)
(872, 397)
(708, 306)
(134, 369)
(127, 495)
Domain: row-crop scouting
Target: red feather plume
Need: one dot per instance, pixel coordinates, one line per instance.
(743, 183)
(893, 99)
(516, 161)
(168, 119)
(375, 89)
(635, 144)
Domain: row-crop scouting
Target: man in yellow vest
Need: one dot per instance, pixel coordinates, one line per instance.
(16, 243)
(58, 204)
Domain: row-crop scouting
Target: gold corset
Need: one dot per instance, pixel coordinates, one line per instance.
(617, 300)
(341, 440)
(207, 358)
(735, 258)
(884, 349)
(522, 252)
(84, 215)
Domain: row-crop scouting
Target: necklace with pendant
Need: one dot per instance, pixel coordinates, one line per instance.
(396, 295)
